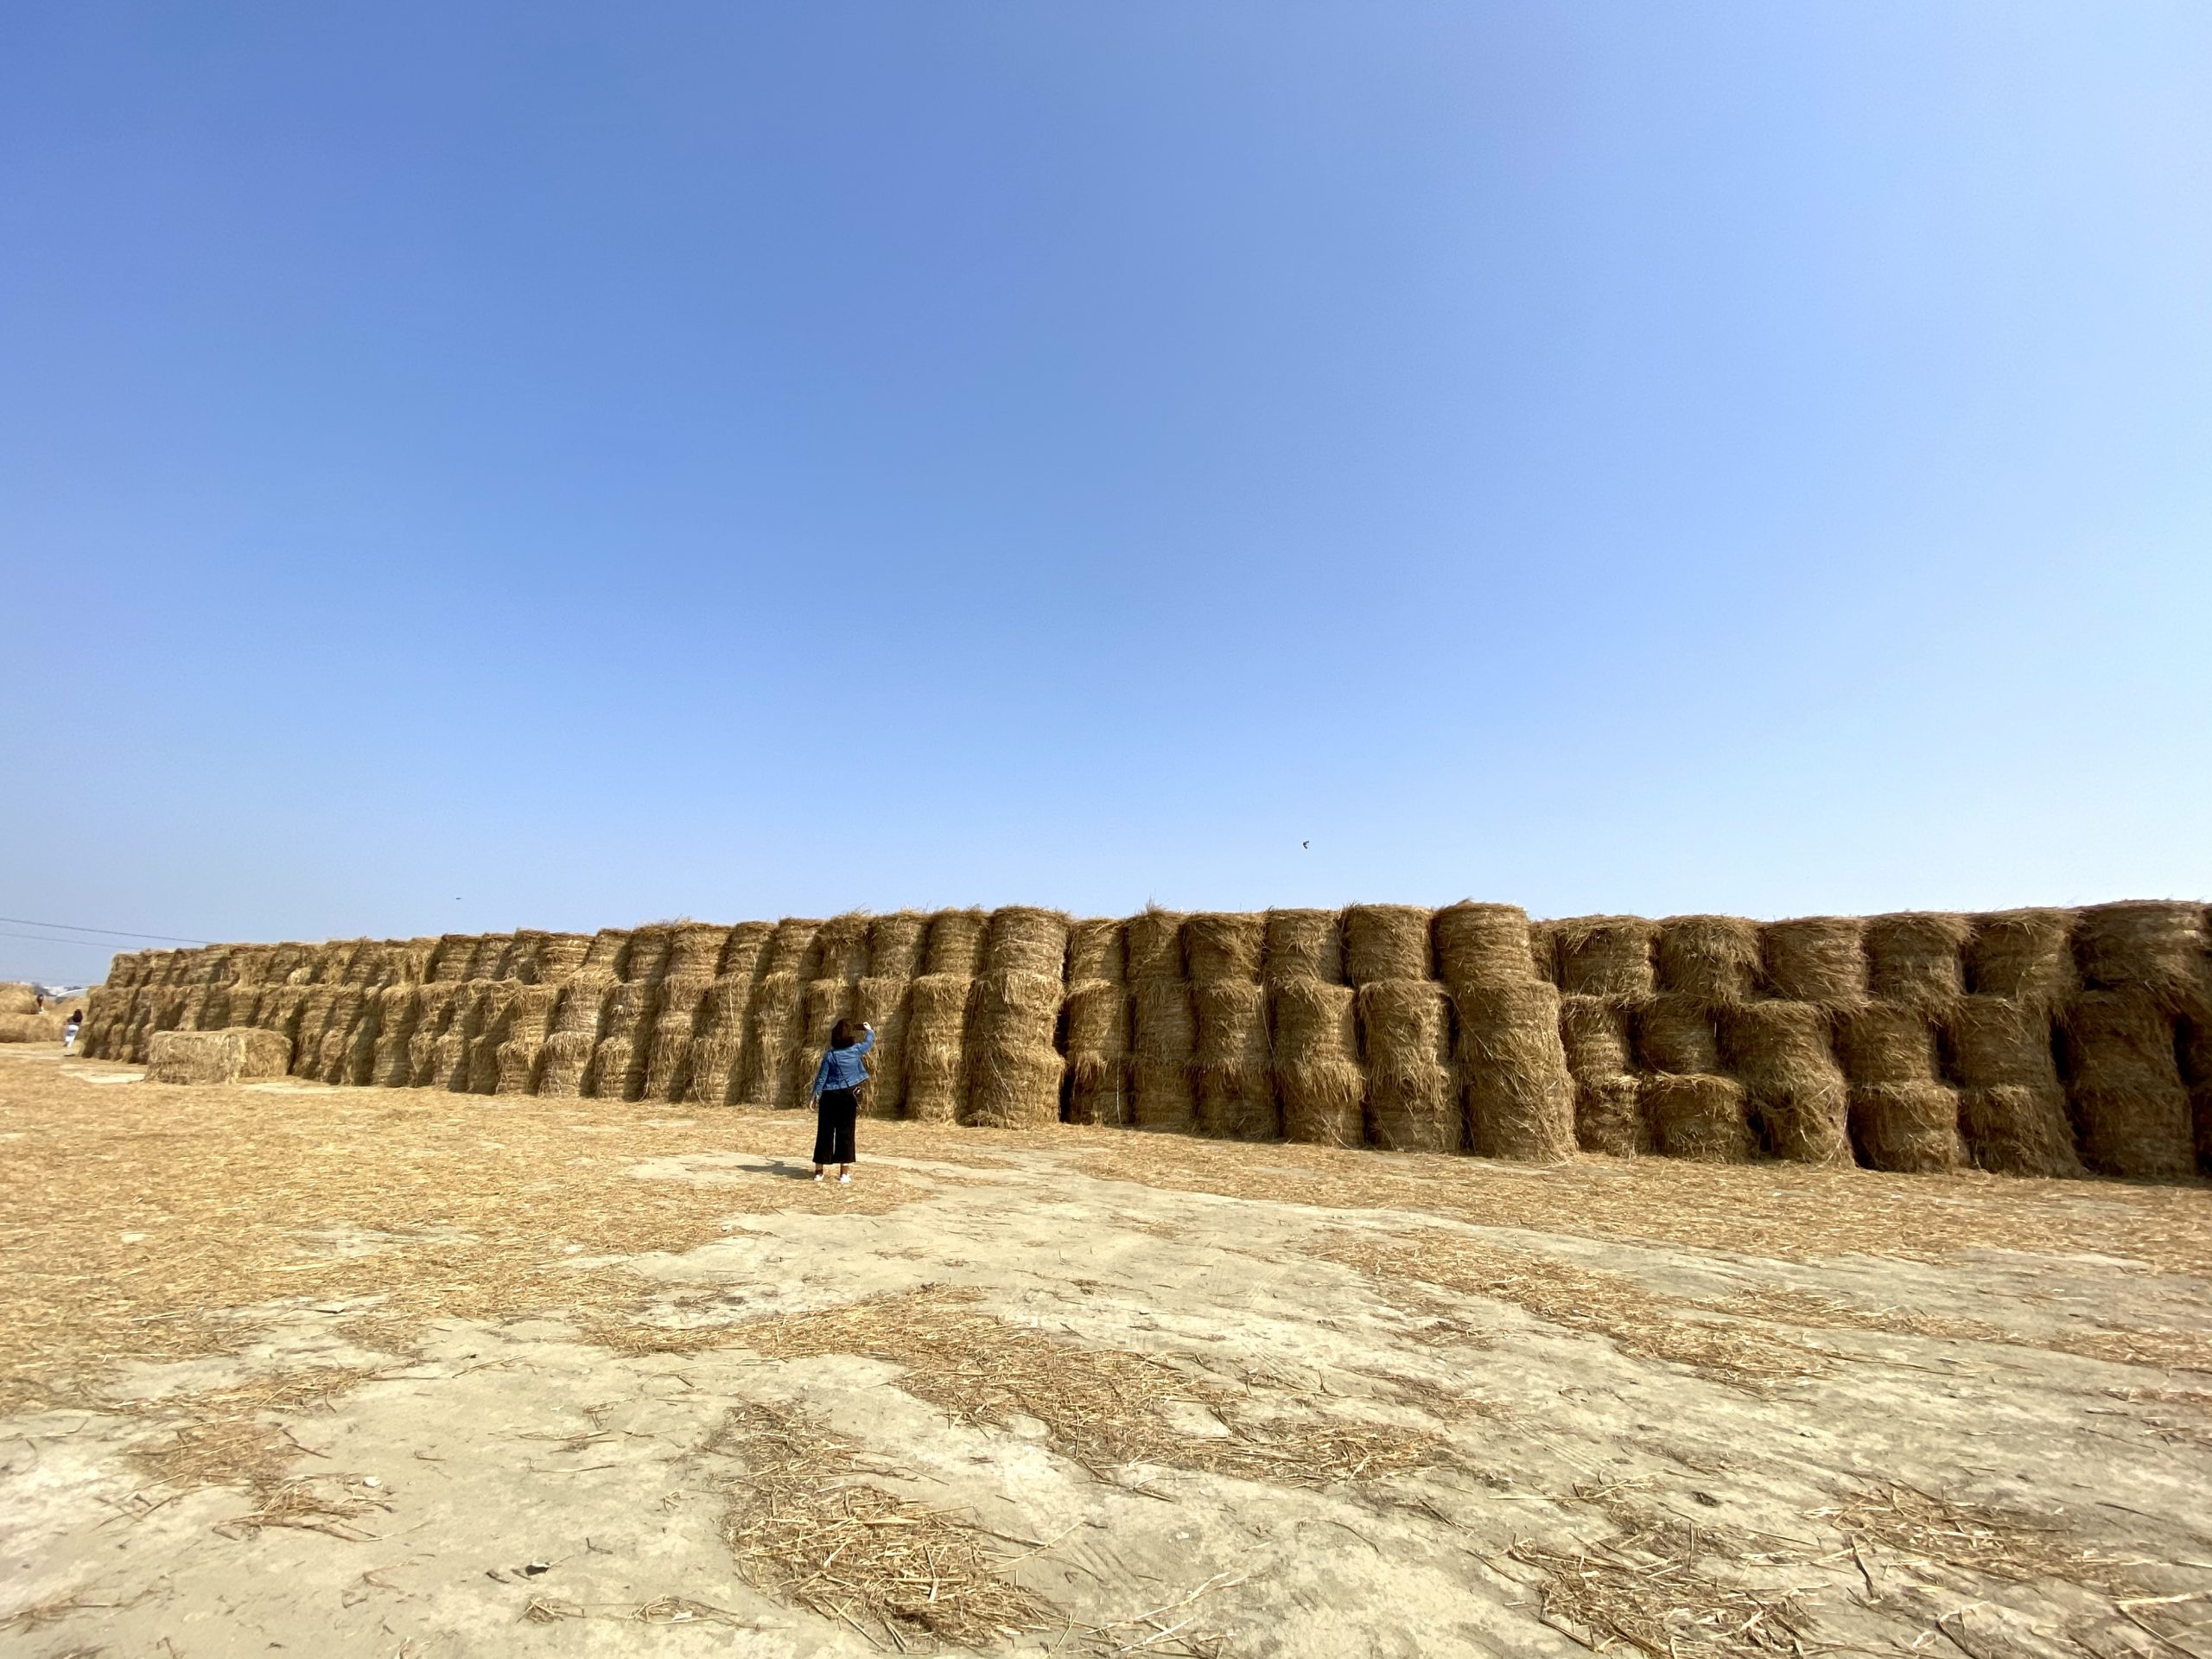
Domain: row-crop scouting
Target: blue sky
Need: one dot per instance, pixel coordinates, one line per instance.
(465, 467)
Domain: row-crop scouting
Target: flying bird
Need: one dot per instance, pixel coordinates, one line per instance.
(1307, 845)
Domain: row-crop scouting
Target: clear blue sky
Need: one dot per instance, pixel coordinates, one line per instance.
(468, 465)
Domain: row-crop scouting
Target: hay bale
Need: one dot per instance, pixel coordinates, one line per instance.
(1520, 1095)
(1479, 945)
(2125, 1082)
(1023, 939)
(1887, 1043)
(646, 959)
(824, 1002)
(1405, 1040)
(349, 1042)
(392, 1065)
(1013, 1070)
(31, 1028)
(554, 958)
(1715, 957)
(695, 951)
(1386, 943)
(564, 1063)
(956, 946)
(1097, 1020)
(1306, 945)
(331, 960)
(1595, 1035)
(1918, 958)
(1225, 947)
(1236, 1087)
(215, 1006)
(719, 1040)
(307, 1031)
(2016, 1129)
(1095, 951)
(487, 1030)
(1543, 951)
(881, 1002)
(746, 954)
(771, 1050)
(894, 945)
(1152, 944)
(1607, 956)
(681, 1007)
(1163, 1055)
(618, 1064)
(491, 957)
(1676, 1032)
(1910, 1128)
(235, 1054)
(1821, 959)
(841, 947)
(437, 1046)
(604, 959)
(449, 965)
(2023, 955)
(936, 1025)
(522, 1036)
(2195, 1054)
(2155, 945)
(1779, 1051)
(1704, 1118)
(2000, 1041)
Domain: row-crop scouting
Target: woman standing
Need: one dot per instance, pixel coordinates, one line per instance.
(835, 1109)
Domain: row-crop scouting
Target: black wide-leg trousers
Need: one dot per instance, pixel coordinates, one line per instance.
(833, 1133)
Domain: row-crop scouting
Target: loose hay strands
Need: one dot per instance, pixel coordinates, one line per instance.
(1713, 958)
(1520, 1094)
(1815, 959)
(1779, 1051)
(1305, 945)
(800, 1527)
(1918, 958)
(1236, 1089)
(1024, 939)
(1925, 1529)
(1014, 1072)
(1386, 943)
(1605, 956)
(1405, 1040)
(956, 946)
(2126, 1085)
(1482, 946)
(1910, 1128)
(1097, 1026)
(2024, 955)
(1317, 1062)
(1223, 946)
(1649, 1593)
(1162, 1055)
(936, 1022)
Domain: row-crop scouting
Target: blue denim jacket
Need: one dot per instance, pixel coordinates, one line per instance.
(840, 1068)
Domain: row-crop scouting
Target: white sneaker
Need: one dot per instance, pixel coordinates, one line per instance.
(844, 1181)
(817, 1175)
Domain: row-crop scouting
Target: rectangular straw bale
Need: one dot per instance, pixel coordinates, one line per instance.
(956, 946)
(1236, 1087)
(366, 964)
(618, 1068)
(2024, 955)
(1386, 943)
(433, 1014)
(716, 1063)
(1095, 951)
(2003, 1042)
(1163, 1054)
(1820, 959)
(1024, 939)
(582, 1004)
(695, 951)
(400, 1005)
(1605, 956)
(681, 1007)
(350, 1054)
(522, 1035)
(331, 960)
(723, 1017)
(1406, 1040)
(841, 947)
(1918, 958)
(526, 961)
(2019, 1130)
(646, 959)
(489, 959)
(1543, 951)
(1097, 1018)
(772, 1050)
(1887, 1043)
(1152, 944)
(450, 965)
(2157, 946)
(1704, 1118)
(1911, 1129)
(1479, 945)
(2125, 1086)
(1676, 1032)
(746, 954)
(487, 1030)
(936, 1024)
(881, 1002)
(1014, 1072)
(1221, 947)
(1595, 1034)
(1609, 1115)
(235, 1054)
(1714, 957)
(826, 1002)
(214, 1009)
(1305, 945)
(1779, 1051)
(33, 1028)
(894, 945)
(562, 1063)
(604, 959)
(1520, 1095)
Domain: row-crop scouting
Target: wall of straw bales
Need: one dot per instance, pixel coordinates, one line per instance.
(2034, 1042)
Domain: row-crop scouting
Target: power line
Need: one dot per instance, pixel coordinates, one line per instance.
(48, 938)
(112, 933)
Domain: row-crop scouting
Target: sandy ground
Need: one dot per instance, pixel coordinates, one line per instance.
(354, 1371)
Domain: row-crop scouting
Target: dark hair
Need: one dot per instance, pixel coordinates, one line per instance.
(844, 1035)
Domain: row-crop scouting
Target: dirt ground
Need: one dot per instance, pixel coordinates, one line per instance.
(384, 1372)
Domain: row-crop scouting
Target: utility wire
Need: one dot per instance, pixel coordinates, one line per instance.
(112, 933)
(48, 938)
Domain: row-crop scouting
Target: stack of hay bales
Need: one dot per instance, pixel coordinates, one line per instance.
(719, 1044)
(391, 1062)
(1163, 1049)
(1235, 1084)
(895, 943)
(1315, 1029)
(492, 1005)
(565, 1060)
(1904, 1115)
(1098, 1025)
(2144, 969)
(773, 1042)
(1405, 1030)
(2003, 1041)
(618, 1064)
(1702, 967)
(521, 1039)
(1013, 1069)
(1778, 1047)
(1519, 1095)
(1606, 981)
(936, 1014)
(680, 1009)
(234, 1054)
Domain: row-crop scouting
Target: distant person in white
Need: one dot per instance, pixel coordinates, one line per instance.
(69, 1029)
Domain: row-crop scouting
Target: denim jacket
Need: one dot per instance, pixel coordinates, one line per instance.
(840, 1068)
